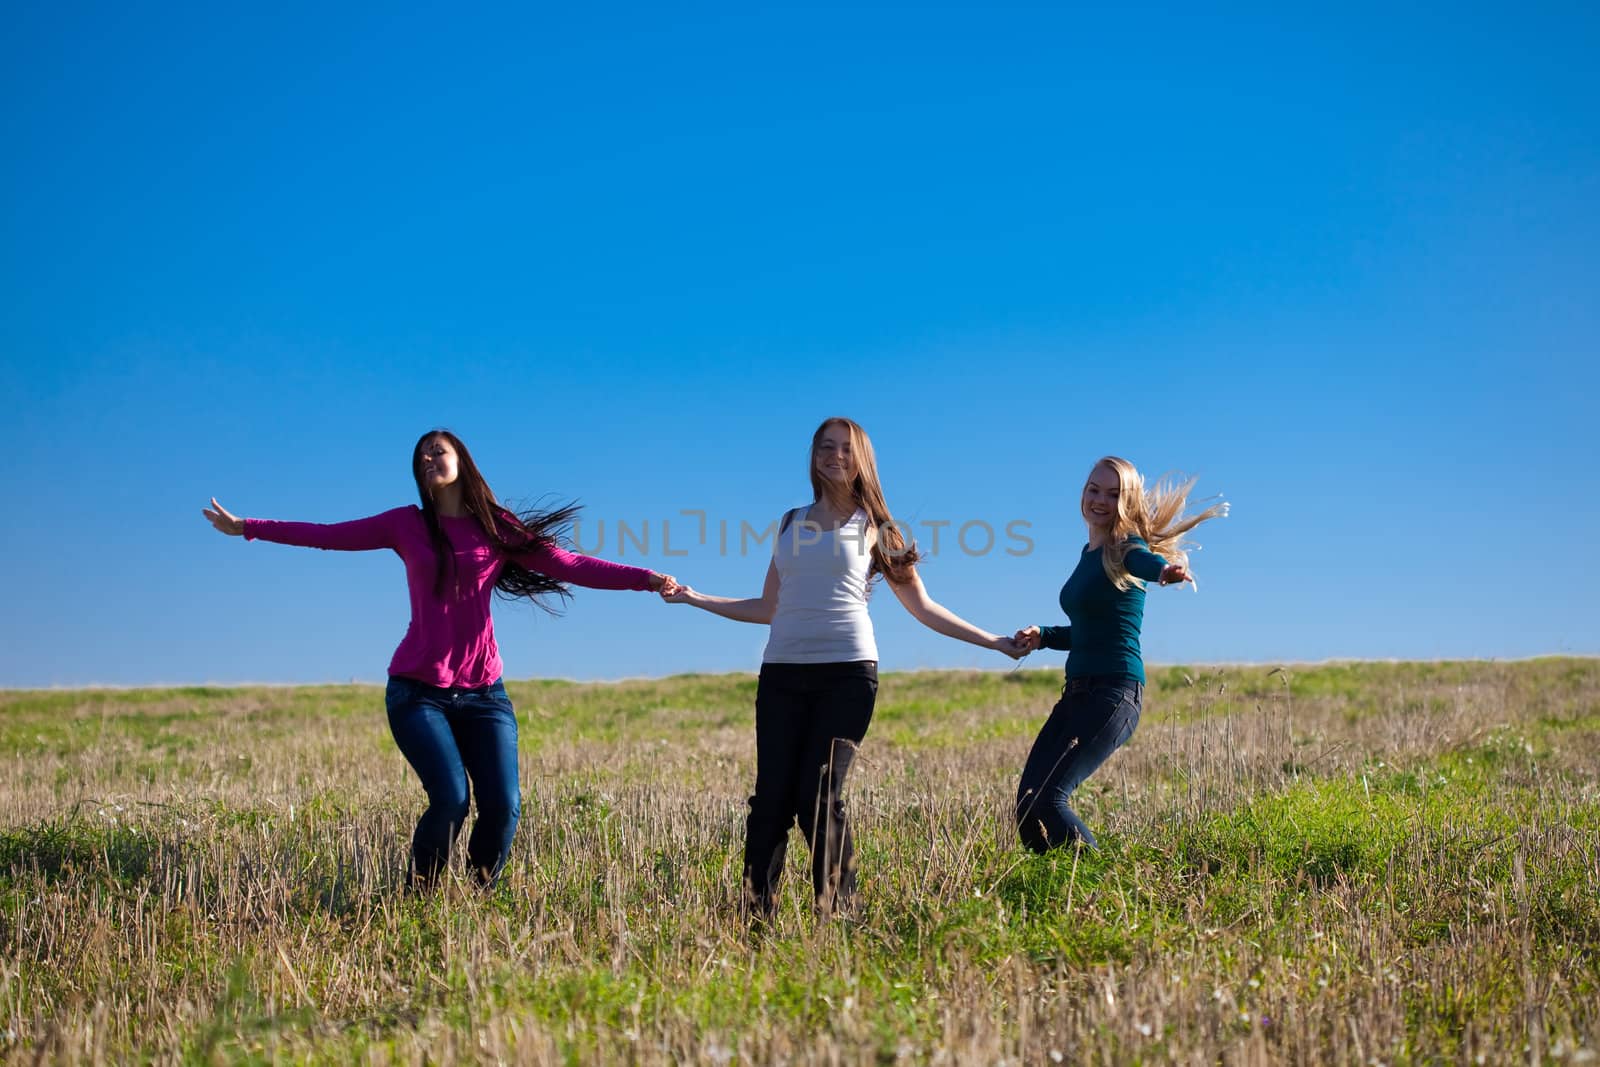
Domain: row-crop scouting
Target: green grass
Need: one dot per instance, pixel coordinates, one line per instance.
(1340, 864)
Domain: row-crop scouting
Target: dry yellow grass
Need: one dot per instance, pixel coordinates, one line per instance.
(1337, 864)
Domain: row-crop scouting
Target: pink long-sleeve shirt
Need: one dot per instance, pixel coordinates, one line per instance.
(450, 642)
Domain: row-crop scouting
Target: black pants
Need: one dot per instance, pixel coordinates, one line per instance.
(1094, 717)
(809, 719)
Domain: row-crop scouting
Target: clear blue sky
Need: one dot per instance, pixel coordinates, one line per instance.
(1341, 265)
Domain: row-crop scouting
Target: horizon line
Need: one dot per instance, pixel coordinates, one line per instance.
(1276, 664)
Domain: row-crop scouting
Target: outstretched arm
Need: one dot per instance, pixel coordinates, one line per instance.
(936, 617)
(756, 609)
(1143, 563)
(592, 573)
(357, 535)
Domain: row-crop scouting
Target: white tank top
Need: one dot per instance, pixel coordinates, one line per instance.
(822, 593)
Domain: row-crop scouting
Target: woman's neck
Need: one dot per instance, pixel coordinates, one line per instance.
(833, 509)
(447, 502)
(1099, 537)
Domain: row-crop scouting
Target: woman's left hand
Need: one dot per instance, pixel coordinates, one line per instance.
(665, 584)
(1174, 573)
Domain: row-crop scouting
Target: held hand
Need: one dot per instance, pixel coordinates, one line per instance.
(1010, 647)
(1176, 572)
(678, 594)
(223, 519)
(1028, 638)
(665, 584)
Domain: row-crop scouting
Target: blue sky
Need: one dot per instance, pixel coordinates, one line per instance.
(1342, 266)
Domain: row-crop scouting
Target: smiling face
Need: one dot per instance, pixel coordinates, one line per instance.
(832, 457)
(437, 464)
(1101, 495)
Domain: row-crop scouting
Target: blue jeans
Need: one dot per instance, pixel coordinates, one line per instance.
(452, 737)
(1094, 717)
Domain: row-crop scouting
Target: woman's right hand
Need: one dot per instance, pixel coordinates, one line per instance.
(679, 594)
(223, 519)
(1029, 638)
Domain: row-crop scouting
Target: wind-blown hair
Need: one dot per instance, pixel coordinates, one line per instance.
(509, 531)
(1155, 514)
(892, 556)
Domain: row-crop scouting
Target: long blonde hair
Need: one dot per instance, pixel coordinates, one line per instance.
(892, 556)
(1155, 514)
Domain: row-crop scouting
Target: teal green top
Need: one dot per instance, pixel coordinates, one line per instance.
(1104, 635)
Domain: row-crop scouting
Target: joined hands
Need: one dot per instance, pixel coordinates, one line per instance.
(1010, 646)
(1028, 639)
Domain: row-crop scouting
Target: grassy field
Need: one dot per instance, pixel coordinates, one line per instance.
(1358, 863)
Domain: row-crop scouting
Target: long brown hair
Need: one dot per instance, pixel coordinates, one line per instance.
(1155, 514)
(507, 530)
(892, 556)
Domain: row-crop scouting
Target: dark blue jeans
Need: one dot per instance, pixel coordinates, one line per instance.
(453, 737)
(1094, 717)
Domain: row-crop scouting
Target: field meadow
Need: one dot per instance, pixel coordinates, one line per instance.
(1362, 863)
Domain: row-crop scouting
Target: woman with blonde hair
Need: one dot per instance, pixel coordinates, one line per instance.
(1135, 536)
(819, 673)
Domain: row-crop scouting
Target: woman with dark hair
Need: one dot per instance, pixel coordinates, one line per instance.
(447, 707)
(819, 674)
